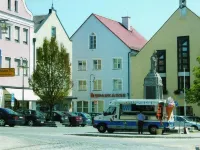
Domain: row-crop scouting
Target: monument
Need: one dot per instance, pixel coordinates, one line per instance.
(153, 87)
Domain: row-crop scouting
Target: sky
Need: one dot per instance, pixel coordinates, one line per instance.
(147, 16)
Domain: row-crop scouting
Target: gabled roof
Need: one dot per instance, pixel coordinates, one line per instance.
(131, 39)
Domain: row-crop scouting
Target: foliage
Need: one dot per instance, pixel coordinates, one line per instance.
(51, 80)
(193, 94)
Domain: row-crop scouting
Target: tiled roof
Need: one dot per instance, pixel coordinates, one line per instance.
(38, 21)
(132, 38)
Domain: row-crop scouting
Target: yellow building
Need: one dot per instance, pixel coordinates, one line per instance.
(177, 44)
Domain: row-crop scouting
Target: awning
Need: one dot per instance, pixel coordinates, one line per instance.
(29, 95)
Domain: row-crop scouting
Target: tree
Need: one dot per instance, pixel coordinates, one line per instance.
(51, 80)
(193, 94)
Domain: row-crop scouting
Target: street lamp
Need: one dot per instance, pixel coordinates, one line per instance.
(3, 26)
(23, 66)
(91, 75)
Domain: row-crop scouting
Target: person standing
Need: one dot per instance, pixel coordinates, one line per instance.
(140, 118)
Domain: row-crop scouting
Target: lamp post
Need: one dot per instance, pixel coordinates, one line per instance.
(23, 66)
(184, 95)
(91, 75)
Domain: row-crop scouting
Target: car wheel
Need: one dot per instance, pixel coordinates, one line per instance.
(11, 125)
(153, 129)
(102, 128)
(83, 125)
(195, 127)
(2, 122)
(110, 130)
(30, 123)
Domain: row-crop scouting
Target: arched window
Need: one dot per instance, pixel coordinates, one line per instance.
(92, 41)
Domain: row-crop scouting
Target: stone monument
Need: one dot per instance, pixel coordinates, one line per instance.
(153, 87)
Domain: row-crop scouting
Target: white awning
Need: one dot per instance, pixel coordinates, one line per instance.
(29, 95)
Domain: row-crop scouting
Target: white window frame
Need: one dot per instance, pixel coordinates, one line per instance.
(8, 35)
(82, 67)
(17, 67)
(97, 66)
(117, 84)
(25, 34)
(82, 89)
(8, 59)
(97, 89)
(117, 68)
(16, 6)
(93, 41)
(17, 37)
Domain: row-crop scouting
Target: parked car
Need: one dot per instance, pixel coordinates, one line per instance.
(74, 119)
(194, 118)
(94, 115)
(183, 121)
(87, 119)
(10, 117)
(33, 117)
(59, 116)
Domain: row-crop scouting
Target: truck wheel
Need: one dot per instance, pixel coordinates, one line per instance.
(2, 122)
(152, 129)
(110, 130)
(30, 123)
(102, 128)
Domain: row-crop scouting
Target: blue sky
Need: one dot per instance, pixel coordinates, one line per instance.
(147, 16)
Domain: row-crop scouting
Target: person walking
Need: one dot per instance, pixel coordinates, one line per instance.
(140, 118)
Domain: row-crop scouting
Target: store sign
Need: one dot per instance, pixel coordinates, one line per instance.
(107, 95)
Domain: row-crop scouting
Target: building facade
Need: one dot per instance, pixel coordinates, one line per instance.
(101, 49)
(16, 51)
(47, 26)
(177, 45)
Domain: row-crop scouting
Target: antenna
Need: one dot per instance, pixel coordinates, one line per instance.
(52, 5)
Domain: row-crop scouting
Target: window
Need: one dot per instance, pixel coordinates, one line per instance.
(161, 63)
(9, 4)
(16, 5)
(7, 36)
(92, 43)
(82, 106)
(97, 64)
(53, 32)
(82, 65)
(117, 63)
(117, 85)
(7, 62)
(183, 54)
(97, 85)
(17, 34)
(25, 64)
(17, 69)
(25, 32)
(181, 82)
(82, 85)
(164, 85)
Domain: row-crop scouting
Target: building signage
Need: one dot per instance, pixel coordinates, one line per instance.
(146, 103)
(107, 95)
(7, 72)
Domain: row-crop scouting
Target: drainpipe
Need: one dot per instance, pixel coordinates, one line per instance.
(129, 74)
(34, 40)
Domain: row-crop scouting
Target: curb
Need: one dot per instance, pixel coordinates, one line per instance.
(135, 136)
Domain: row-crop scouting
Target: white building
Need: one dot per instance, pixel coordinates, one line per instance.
(47, 26)
(101, 49)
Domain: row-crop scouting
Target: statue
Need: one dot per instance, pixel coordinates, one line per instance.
(154, 62)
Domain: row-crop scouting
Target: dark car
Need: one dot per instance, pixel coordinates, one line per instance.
(94, 115)
(33, 117)
(74, 119)
(10, 117)
(59, 116)
(87, 119)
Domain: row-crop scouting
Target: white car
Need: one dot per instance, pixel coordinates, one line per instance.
(183, 121)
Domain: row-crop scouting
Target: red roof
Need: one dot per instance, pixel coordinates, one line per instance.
(131, 38)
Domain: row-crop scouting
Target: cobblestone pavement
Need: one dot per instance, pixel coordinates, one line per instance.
(36, 138)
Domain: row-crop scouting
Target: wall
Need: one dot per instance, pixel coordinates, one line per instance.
(166, 38)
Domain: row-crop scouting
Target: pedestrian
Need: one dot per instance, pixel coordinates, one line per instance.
(140, 118)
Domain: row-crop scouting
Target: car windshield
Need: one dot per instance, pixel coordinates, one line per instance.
(189, 119)
(10, 111)
(73, 114)
(60, 113)
(87, 115)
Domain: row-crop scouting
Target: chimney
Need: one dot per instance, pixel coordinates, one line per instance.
(126, 22)
(182, 4)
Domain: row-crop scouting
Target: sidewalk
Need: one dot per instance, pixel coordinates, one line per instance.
(135, 135)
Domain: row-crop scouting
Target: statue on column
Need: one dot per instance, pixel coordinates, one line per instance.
(154, 62)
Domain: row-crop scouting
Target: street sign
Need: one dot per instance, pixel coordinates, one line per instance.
(7, 72)
(12, 100)
(176, 103)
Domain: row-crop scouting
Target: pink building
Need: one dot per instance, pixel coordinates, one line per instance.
(16, 49)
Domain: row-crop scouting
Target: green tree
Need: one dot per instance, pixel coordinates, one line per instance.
(193, 94)
(51, 80)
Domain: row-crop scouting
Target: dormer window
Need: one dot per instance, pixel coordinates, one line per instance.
(92, 41)
(9, 4)
(16, 5)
